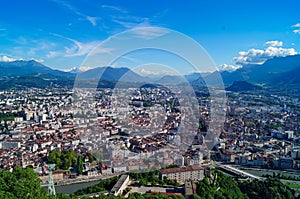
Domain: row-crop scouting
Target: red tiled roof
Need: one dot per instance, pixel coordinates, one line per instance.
(182, 169)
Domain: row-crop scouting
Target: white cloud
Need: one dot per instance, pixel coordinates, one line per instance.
(92, 20)
(130, 21)
(53, 54)
(297, 25)
(125, 24)
(274, 43)
(154, 72)
(95, 49)
(6, 58)
(79, 69)
(149, 32)
(114, 8)
(84, 68)
(70, 69)
(296, 31)
(38, 60)
(258, 56)
(297, 28)
(78, 48)
(141, 26)
(228, 67)
(149, 72)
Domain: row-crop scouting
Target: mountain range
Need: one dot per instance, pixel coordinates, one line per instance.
(275, 71)
(29, 68)
(278, 70)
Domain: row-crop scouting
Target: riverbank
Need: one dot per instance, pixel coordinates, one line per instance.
(80, 179)
(70, 186)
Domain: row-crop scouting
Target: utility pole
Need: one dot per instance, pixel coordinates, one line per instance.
(51, 188)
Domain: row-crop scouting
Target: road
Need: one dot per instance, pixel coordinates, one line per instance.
(237, 171)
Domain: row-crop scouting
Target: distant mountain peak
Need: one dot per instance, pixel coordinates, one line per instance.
(112, 74)
(264, 73)
(73, 70)
(27, 68)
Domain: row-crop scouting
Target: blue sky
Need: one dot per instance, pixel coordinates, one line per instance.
(62, 33)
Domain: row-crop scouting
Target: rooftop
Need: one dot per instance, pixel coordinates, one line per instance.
(120, 182)
(182, 169)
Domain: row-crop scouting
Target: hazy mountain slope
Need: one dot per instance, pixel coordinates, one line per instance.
(112, 74)
(264, 73)
(238, 86)
(29, 68)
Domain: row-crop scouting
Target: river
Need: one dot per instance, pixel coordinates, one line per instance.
(71, 188)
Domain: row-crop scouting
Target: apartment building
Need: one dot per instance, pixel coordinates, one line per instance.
(182, 174)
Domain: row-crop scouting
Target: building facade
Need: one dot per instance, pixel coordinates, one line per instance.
(120, 185)
(182, 174)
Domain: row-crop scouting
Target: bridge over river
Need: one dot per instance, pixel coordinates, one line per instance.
(236, 171)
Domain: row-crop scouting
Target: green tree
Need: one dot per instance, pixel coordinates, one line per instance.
(80, 165)
(195, 196)
(219, 186)
(21, 183)
(54, 157)
(268, 188)
(91, 157)
(69, 158)
(63, 160)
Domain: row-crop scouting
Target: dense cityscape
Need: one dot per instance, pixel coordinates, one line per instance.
(149, 99)
(43, 126)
